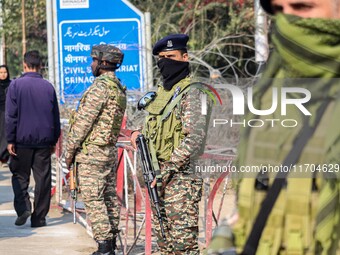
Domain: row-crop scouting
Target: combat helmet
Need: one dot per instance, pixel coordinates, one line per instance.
(107, 52)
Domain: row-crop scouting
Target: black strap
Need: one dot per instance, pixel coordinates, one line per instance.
(272, 194)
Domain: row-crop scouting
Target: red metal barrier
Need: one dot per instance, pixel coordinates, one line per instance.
(58, 154)
(120, 175)
(141, 198)
(209, 218)
(148, 232)
(120, 169)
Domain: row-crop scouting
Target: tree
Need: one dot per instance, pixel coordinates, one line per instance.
(221, 32)
(36, 34)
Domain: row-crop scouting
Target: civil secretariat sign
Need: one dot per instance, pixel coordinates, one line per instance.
(84, 23)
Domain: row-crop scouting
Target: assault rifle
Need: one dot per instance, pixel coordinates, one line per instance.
(74, 188)
(149, 176)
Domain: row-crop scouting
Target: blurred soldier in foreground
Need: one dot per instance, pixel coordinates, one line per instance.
(93, 133)
(175, 136)
(304, 209)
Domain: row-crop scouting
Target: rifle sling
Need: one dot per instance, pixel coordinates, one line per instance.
(273, 192)
(176, 100)
(172, 105)
(154, 158)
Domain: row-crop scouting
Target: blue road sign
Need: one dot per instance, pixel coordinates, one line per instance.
(84, 23)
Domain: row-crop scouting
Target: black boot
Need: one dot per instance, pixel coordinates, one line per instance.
(104, 248)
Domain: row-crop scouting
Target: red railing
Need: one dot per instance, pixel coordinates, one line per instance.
(140, 199)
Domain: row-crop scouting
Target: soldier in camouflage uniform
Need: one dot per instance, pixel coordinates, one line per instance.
(176, 135)
(93, 133)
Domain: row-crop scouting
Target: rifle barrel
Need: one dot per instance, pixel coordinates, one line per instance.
(73, 190)
(74, 212)
(149, 175)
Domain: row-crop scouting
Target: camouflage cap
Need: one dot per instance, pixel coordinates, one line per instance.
(108, 53)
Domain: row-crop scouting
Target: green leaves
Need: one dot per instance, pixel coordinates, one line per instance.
(221, 32)
(35, 28)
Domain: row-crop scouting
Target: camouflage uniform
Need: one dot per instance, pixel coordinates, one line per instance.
(176, 140)
(305, 215)
(92, 137)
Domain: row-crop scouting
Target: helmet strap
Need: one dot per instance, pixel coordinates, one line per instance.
(103, 67)
(99, 65)
(108, 68)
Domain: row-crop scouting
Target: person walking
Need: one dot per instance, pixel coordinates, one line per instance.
(176, 135)
(32, 131)
(94, 130)
(4, 83)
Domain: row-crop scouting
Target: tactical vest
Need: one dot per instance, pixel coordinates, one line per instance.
(163, 128)
(163, 125)
(290, 227)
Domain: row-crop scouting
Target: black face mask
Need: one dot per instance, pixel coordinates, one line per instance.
(172, 71)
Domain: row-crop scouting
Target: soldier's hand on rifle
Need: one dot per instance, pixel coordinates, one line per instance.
(133, 138)
(154, 183)
(69, 161)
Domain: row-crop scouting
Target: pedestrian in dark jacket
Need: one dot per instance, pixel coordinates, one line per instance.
(32, 129)
(4, 83)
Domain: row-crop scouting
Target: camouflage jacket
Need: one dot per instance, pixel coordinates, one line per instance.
(95, 126)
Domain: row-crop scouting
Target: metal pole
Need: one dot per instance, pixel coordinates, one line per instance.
(126, 189)
(149, 75)
(55, 55)
(23, 27)
(2, 40)
(134, 195)
(49, 24)
(261, 39)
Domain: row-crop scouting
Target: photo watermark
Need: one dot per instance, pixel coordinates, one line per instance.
(256, 127)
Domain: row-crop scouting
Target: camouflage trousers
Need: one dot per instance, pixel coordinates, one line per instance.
(98, 189)
(180, 211)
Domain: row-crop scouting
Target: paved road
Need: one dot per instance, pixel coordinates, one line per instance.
(60, 236)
